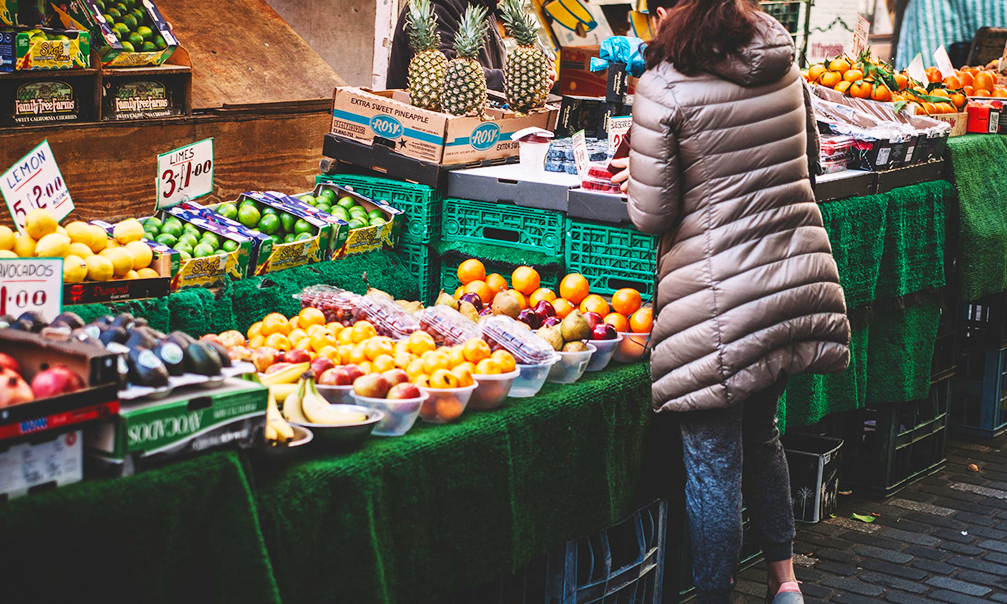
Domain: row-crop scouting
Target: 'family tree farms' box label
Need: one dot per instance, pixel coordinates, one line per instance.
(45, 102)
(139, 99)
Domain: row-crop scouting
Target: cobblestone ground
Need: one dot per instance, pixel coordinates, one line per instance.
(941, 540)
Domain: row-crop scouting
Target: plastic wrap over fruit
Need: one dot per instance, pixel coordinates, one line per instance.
(388, 318)
(504, 332)
(339, 305)
(449, 325)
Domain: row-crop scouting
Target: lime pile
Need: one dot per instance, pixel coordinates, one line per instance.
(186, 238)
(346, 209)
(131, 25)
(282, 227)
(37, 34)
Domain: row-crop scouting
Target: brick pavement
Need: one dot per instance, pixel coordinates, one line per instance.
(942, 540)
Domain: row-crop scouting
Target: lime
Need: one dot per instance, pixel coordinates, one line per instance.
(121, 28)
(189, 239)
(191, 228)
(117, 34)
(149, 47)
(228, 210)
(269, 224)
(203, 250)
(303, 236)
(121, 7)
(185, 255)
(356, 223)
(248, 202)
(130, 4)
(136, 40)
(309, 199)
(267, 210)
(173, 220)
(303, 226)
(347, 202)
(248, 216)
(277, 240)
(212, 238)
(289, 238)
(113, 15)
(287, 221)
(152, 224)
(166, 239)
(183, 247)
(324, 207)
(159, 43)
(101, 5)
(229, 246)
(375, 213)
(359, 216)
(130, 21)
(377, 221)
(140, 16)
(151, 235)
(328, 194)
(170, 228)
(341, 213)
(126, 46)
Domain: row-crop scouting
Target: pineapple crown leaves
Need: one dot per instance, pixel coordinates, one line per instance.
(472, 30)
(521, 25)
(421, 25)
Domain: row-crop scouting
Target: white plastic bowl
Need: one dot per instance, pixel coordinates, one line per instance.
(400, 414)
(571, 366)
(606, 348)
(491, 390)
(632, 347)
(337, 395)
(445, 404)
(531, 379)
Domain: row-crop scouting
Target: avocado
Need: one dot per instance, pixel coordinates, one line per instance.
(140, 322)
(125, 321)
(84, 334)
(221, 352)
(103, 321)
(69, 319)
(146, 369)
(20, 325)
(35, 318)
(113, 334)
(157, 335)
(199, 359)
(172, 357)
(182, 339)
(139, 337)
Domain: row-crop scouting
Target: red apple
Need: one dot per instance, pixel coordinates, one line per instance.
(231, 338)
(551, 321)
(405, 390)
(593, 319)
(264, 358)
(348, 374)
(472, 299)
(396, 376)
(545, 309)
(603, 332)
(321, 365)
(297, 356)
(212, 337)
(55, 381)
(239, 353)
(530, 318)
(9, 362)
(329, 377)
(372, 385)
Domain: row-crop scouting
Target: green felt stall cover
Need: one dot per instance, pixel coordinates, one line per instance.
(979, 161)
(512, 256)
(188, 532)
(412, 519)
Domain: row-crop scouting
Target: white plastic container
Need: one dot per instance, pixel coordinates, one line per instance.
(606, 349)
(632, 347)
(400, 414)
(531, 378)
(491, 390)
(445, 404)
(571, 366)
(337, 395)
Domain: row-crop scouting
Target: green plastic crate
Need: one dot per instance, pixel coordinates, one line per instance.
(423, 264)
(449, 273)
(503, 224)
(421, 204)
(611, 257)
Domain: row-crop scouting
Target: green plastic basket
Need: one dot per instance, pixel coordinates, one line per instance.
(502, 224)
(449, 273)
(421, 204)
(423, 264)
(611, 257)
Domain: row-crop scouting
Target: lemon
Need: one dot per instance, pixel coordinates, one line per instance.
(111, 243)
(147, 273)
(52, 246)
(39, 223)
(80, 232)
(99, 268)
(142, 254)
(121, 260)
(24, 246)
(99, 238)
(62, 231)
(7, 254)
(132, 275)
(6, 238)
(74, 269)
(128, 231)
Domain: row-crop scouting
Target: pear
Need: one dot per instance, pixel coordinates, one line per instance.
(577, 346)
(469, 312)
(377, 293)
(575, 327)
(504, 303)
(445, 299)
(552, 337)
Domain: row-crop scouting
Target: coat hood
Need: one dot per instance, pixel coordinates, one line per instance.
(767, 58)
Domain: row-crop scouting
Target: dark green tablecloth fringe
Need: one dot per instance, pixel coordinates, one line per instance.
(512, 256)
(979, 162)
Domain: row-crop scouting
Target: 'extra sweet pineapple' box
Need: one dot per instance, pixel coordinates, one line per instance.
(45, 49)
(386, 118)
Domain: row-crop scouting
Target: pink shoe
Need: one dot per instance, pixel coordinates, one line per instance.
(790, 593)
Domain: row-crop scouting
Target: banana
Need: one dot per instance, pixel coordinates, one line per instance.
(319, 411)
(287, 375)
(282, 391)
(277, 428)
(292, 406)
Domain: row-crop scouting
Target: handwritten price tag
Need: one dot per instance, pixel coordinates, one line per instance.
(35, 183)
(580, 155)
(860, 32)
(31, 284)
(185, 173)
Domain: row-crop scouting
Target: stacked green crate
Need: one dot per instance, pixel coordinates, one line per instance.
(611, 257)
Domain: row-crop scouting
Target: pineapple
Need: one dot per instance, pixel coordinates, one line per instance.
(428, 66)
(528, 74)
(464, 91)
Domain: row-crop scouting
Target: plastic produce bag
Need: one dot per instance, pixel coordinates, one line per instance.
(622, 49)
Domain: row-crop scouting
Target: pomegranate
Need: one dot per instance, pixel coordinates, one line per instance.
(9, 362)
(55, 381)
(13, 389)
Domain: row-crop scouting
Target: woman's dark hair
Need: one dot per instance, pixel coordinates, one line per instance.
(699, 33)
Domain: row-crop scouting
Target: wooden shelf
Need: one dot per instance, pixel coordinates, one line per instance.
(34, 74)
(127, 72)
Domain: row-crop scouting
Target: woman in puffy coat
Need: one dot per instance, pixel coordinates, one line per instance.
(748, 292)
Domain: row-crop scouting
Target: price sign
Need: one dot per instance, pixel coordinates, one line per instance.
(617, 128)
(580, 155)
(944, 62)
(185, 173)
(31, 284)
(916, 71)
(860, 33)
(34, 182)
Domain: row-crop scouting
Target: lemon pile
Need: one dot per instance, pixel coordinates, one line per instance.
(87, 251)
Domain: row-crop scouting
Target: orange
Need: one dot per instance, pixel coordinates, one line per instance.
(274, 322)
(402, 346)
(853, 75)
(403, 360)
(345, 336)
(574, 287)
(496, 282)
(422, 381)
(358, 354)
(902, 81)
(839, 64)
(456, 355)
(305, 345)
(256, 341)
(313, 329)
(626, 301)
(525, 280)
(480, 289)
(563, 307)
(521, 300)
(959, 100)
(255, 329)
(471, 270)
(488, 367)
(420, 342)
(293, 322)
(618, 321)
(378, 346)
(432, 361)
(310, 316)
(816, 71)
(414, 369)
(966, 78)
(642, 321)
(861, 90)
(953, 82)
(331, 353)
(296, 336)
(277, 341)
(881, 93)
(345, 352)
(940, 92)
(459, 292)
(383, 363)
(334, 327)
(464, 375)
(982, 92)
(594, 303)
(898, 98)
(843, 87)
(829, 79)
(448, 408)
(542, 293)
(933, 75)
(985, 81)
(362, 330)
(476, 349)
(1000, 92)
(929, 108)
(505, 360)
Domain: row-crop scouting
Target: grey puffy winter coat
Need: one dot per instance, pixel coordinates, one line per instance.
(748, 290)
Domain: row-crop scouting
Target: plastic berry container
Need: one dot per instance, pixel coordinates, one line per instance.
(388, 318)
(601, 186)
(501, 331)
(835, 147)
(448, 325)
(337, 304)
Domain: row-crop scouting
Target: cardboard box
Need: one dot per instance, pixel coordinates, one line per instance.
(510, 184)
(85, 14)
(188, 422)
(577, 79)
(814, 474)
(590, 114)
(345, 155)
(165, 262)
(365, 239)
(958, 121)
(386, 118)
(28, 467)
(599, 207)
(30, 53)
(210, 271)
(39, 101)
(984, 117)
(8, 12)
(144, 97)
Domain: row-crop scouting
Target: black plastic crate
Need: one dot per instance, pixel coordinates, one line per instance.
(814, 463)
(979, 394)
(983, 322)
(945, 359)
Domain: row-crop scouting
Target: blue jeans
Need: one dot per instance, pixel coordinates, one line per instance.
(714, 443)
